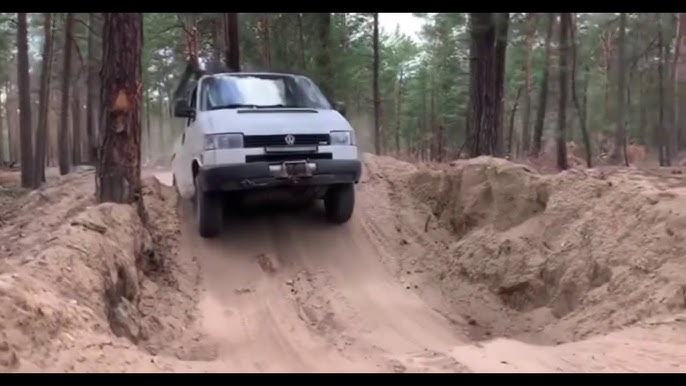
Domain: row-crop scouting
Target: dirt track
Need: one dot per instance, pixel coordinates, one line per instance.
(287, 292)
(403, 287)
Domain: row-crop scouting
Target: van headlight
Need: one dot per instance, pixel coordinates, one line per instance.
(342, 138)
(223, 141)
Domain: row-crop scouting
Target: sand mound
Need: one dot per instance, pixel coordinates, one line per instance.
(76, 277)
(481, 191)
(513, 252)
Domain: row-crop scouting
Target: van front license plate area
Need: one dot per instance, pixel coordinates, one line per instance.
(296, 169)
(293, 169)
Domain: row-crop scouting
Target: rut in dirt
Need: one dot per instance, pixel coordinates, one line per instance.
(295, 293)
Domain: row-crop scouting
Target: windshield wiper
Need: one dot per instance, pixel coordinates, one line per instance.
(233, 106)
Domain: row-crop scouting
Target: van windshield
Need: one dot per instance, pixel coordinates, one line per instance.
(227, 91)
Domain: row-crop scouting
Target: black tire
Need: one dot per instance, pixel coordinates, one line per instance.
(339, 203)
(209, 211)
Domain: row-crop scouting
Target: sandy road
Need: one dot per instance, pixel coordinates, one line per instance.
(288, 292)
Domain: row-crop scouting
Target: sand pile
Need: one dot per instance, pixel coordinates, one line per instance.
(77, 277)
(512, 252)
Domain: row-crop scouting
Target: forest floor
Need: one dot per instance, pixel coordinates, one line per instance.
(480, 265)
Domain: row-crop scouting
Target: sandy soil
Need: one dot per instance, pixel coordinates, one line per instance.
(482, 265)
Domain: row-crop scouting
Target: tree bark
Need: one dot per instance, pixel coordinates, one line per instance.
(663, 134)
(44, 102)
(323, 56)
(679, 79)
(511, 133)
(543, 94)
(619, 152)
(398, 110)
(485, 86)
(375, 85)
(526, 108)
(119, 170)
(27, 180)
(76, 125)
(502, 21)
(92, 101)
(581, 111)
(63, 131)
(563, 78)
(232, 55)
(2, 137)
(301, 39)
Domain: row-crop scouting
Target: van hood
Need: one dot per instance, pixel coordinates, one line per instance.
(272, 121)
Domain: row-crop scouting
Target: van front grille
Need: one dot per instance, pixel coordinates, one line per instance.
(280, 140)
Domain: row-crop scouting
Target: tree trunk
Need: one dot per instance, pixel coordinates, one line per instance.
(526, 108)
(485, 86)
(63, 131)
(76, 125)
(663, 136)
(502, 21)
(44, 102)
(581, 111)
(148, 129)
(513, 113)
(679, 72)
(543, 94)
(398, 110)
(375, 85)
(160, 127)
(301, 39)
(8, 118)
(619, 152)
(119, 172)
(27, 180)
(232, 56)
(563, 78)
(92, 101)
(2, 137)
(323, 56)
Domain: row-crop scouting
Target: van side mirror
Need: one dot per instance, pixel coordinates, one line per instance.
(182, 109)
(340, 107)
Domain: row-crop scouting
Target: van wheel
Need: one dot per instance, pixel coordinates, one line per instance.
(209, 210)
(339, 203)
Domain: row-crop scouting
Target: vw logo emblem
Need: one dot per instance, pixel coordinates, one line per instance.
(290, 139)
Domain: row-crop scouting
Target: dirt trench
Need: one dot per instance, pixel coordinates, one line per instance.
(543, 259)
(444, 268)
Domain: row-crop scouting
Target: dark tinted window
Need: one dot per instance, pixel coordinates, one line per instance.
(232, 91)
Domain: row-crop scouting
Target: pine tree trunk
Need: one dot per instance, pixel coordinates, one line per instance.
(581, 111)
(562, 107)
(44, 102)
(63, 131)
(92, 101)
(119, 172)
(375, 86)
(502, 21)
(526, 108)
(619, 152)
(232, 56)
(543, 95)
(483, 136)
(76, 125)
(2, 137)
(27, 180)
(323, 56)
